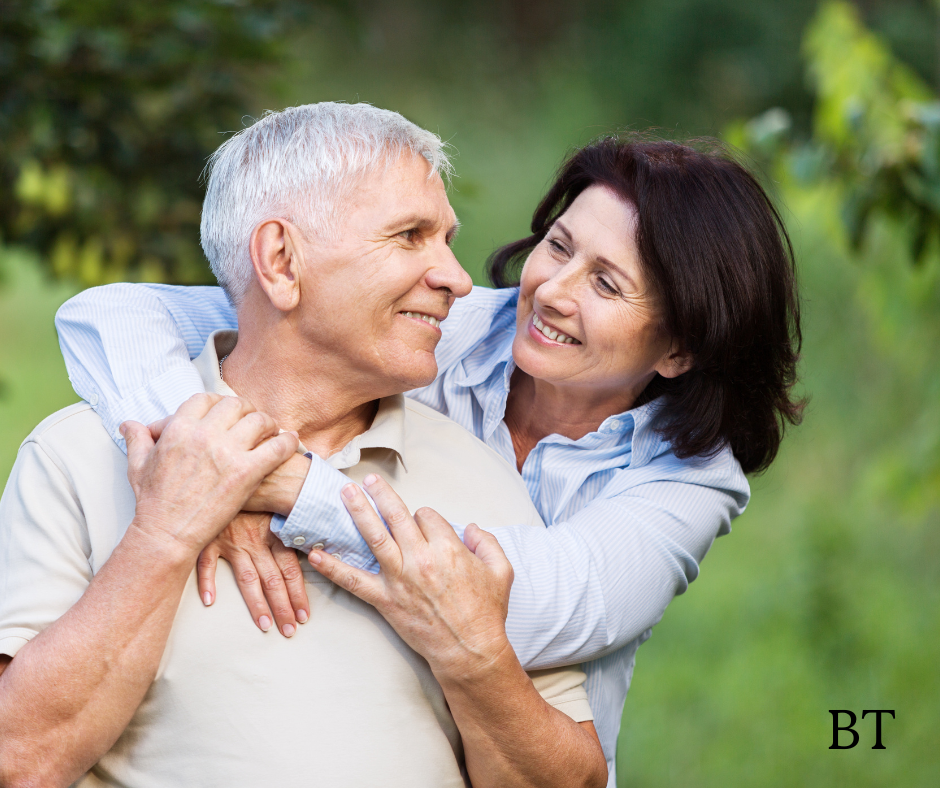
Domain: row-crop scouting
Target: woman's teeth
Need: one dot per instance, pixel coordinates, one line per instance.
(426, 318)
(556, 336)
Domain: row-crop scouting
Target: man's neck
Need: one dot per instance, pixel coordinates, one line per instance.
(301, 390)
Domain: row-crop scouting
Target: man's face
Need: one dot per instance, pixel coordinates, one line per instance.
(372, 297)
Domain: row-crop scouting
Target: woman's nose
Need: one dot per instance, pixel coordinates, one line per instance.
(558, 292)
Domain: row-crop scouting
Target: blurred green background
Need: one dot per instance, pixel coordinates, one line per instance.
(827, 594)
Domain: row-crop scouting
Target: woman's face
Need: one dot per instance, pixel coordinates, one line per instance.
(584, 284)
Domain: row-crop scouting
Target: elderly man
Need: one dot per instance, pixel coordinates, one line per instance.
(329, 226)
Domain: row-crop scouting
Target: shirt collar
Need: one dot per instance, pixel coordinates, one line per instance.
(386, 432)
(488, 370)
(218, 345)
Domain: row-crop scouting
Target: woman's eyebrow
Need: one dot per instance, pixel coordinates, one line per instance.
(602, 260)
(608, 264)
(561, 227)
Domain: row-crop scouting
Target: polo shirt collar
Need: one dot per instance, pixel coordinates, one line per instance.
(386, 432)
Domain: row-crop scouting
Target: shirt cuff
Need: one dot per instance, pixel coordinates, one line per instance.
(319, 521)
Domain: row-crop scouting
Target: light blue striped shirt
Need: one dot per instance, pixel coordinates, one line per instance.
(628, 523)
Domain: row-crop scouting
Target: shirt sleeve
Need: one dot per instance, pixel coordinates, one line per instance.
(587, 587)
(563, 689)
(584, 587)
(44, 551)
(127, 347)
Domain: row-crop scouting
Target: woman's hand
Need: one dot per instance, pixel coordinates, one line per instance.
(268, 573)
(447, 599)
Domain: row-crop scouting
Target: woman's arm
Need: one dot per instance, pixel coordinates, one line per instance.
(586, 586)
(127, 347)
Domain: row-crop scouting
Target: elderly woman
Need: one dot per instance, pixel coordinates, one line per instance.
(634, 370)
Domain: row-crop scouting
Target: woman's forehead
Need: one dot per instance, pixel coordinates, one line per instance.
(603, 223)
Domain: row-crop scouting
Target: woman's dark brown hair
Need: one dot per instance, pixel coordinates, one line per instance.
(719, 259)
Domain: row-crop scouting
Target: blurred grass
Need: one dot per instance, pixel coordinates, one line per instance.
(33, 381)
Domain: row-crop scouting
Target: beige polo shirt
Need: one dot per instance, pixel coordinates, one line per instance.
(343, 703)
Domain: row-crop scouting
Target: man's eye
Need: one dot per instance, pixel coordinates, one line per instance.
(410, 235)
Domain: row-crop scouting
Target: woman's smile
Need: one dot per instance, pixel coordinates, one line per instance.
(542, 331)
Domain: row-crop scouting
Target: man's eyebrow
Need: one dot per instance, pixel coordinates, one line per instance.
(409, 221)
(602, 260)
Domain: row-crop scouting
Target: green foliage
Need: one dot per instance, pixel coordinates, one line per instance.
(876, 129)
(107, 113)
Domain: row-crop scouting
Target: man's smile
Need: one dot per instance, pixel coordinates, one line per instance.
(429, 319)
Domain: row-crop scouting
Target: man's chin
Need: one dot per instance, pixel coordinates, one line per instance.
(418, 375)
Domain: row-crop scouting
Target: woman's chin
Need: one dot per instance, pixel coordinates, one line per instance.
(536, 360)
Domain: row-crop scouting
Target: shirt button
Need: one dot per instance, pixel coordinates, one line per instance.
(317, 546)
(93, 399)
(338, 556)
(299, 540)
(615, 424)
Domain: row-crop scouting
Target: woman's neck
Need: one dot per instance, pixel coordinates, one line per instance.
(536, 409)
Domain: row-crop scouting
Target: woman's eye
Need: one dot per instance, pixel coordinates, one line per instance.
(606, 286)
(556, 246)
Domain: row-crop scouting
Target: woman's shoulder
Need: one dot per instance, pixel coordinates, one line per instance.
(654, 460)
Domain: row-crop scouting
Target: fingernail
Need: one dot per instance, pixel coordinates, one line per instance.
(314, 557)
(265, 623)
(288, 630)
(121, 429)
(349, 491)
(295, 434)
(207, 599)
(301, 616)
(370, 480)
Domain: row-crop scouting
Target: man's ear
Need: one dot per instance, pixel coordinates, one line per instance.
(277, 252)
(675, 361)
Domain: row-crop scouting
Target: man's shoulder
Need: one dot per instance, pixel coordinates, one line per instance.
(476, 483)
(75, 428)
(443, 430)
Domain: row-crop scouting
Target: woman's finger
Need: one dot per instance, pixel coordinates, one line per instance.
(205, 573)
(289, 565)
(275, 592)
(368, 587)
(385, 549)
(396, 514)
(249, 583)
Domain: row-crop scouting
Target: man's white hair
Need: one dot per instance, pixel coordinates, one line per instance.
(297, 165)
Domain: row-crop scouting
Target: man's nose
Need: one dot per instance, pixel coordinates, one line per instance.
(448, 274)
